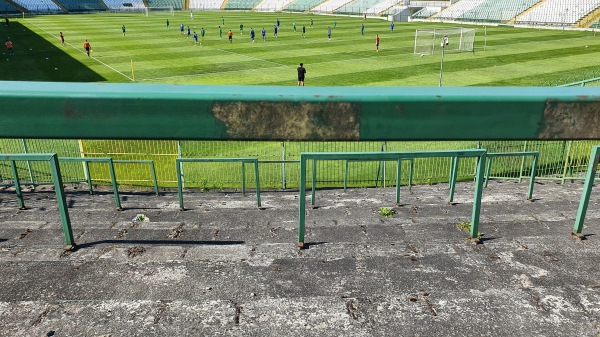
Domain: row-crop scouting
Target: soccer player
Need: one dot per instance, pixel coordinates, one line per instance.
(311, 23)
(195, 39)
(252, 34)
(301, 73)
(191, 14)
(392, 27)
(9, 46)
(189, 32)
(167, 23)
(181, 27)
(377, 42)
(87, 47)
(294, 25)
(303, 31)
(329, 33)
(230, 35)
(277, 23)
(220, 33)
(123, 29)
(62, 38)
(362, 29)
(274, 31)
(241, 28)
(334, 24)
(264, 34)
(222, 21)
(202, 34)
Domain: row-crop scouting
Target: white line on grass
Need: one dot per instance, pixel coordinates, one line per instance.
(82, 51)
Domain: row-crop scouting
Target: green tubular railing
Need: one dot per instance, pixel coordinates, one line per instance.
(52, 158)
(152, 169)
(111, 168)
(480, 154)
(398, 177)
(587, 190)
(179, 163)
(535, 154)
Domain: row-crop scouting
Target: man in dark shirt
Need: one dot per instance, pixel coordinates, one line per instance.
(301, 73)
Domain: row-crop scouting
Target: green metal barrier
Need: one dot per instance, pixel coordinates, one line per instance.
(534, 154)
(111, 168)
(180, 161)
(58, 188)
(389, 156)
(587, 190)
(129, 111)
(152, 169)
(410, 173)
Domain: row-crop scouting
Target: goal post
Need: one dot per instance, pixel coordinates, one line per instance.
(428, 41)
(163, 10)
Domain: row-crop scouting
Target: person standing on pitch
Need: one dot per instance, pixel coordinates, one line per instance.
(264, 34)
(230, 35)
(167, 23)
(241, 28)
(392, 27)
(274, 31)
(334, 24)
(189, 32)
(195, 39)
(362, 29)
(123, 29)
(252, 34)
(181, 27)
(62, 38)
(301, 73)
(9, 46)
(303, 31)
(329, 33)
(87, 47)
(220, 33)
(377, 42)
(311, 23)
(202, 34)
(294, 25)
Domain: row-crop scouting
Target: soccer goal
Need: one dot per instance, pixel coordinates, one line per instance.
(162, 10)
(429, 41)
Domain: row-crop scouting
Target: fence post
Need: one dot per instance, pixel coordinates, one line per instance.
(477, 198)
(567, 159)
(113, 178)
(62, 202)
(302, 208)
(17, 184)
(283, 181)
(587, 189)
(82, 155)
(180, 174)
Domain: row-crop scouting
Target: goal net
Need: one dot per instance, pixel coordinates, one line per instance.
(160, 10)
(428, 41)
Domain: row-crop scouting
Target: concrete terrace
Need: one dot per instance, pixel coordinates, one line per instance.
(225, 268)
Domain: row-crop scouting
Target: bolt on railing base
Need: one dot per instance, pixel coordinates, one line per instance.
(578, 236)
(300, 245)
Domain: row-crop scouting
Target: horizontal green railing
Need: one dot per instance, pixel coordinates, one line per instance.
(161, 111)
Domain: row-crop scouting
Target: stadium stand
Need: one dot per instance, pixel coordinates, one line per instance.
(426, 12)
(329, 6)
(39, 6)
(497, 11)
(455, 11)
(82, 5)
(206, 4)
(7, 8)
(176, 4)
(382, 6)
(241, 4)
(558, 12)
(272, 5)
(301, 5)
(121, 4)
(357, 7)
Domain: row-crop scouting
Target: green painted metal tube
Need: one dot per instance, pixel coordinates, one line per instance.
(346, 176)
(88, 176)
(17, 184)
(200, 112)
(314, 183)
(535, 154)
(587, 190)
(398, 180)
(58, 187)
(243, 180)
(397, 156)
(453, 175)
(179, 162)
(111, 168)
(410, 173)
(149, 162)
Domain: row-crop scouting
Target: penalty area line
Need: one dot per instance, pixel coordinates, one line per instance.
(82, 51)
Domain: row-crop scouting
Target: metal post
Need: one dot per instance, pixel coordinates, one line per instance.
(179, 155)
(62, 203)
(410, 173)
(179, 184)
(243, 179)
(532, 178)
(567, 159)
(488, 170)
(113, 178)
(28, 163)
(346, 177)
(283, 182)
(522, 162)
(477, 198)
(314, 182)
(302, 208)
(257, 178)
(153, 171)
(88, 176)
(398, 177)
(587, 189)
(453, 175)
(17, 184)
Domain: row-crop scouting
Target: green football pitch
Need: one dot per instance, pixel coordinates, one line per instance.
(151, 53)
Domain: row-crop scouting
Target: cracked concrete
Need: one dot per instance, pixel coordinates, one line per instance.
(225, 268)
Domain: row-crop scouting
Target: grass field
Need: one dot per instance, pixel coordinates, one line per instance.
(504, 56)
(512, 56)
